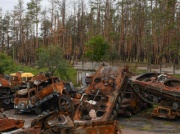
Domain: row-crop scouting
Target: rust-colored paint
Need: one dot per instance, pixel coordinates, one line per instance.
(4, 83)
(9, 124)
(5, 94)
(56, 122)
(29, 131)
(46, 92)
(158, 89)
(40, 77)
(163, 112)
(131, 103)
(101, 96)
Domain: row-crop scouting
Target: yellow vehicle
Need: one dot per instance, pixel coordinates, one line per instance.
(24, 76)
(19, 80)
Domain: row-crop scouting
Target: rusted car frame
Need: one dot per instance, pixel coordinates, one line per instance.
(51, 92)
(158, 89)
(102, 98)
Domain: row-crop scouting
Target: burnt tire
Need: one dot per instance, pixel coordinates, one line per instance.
(66, 105)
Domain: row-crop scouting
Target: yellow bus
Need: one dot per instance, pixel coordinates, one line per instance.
(24, 76)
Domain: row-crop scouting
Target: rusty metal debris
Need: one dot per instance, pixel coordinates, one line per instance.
(56, 122)
(102, 98)
(7, 124)
(131, 103)
(5, 94)
(50, 92)
(164, 112)
(35, 80)
(159, 89)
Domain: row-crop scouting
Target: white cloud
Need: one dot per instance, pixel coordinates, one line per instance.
(9, 4)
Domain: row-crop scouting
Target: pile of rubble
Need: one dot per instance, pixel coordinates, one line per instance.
(94, 109)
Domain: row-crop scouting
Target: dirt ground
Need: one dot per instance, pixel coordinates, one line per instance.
(141, 123)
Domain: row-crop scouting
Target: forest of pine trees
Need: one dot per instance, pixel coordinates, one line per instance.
(137, 30)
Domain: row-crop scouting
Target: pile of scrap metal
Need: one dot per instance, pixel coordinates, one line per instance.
(160, 89)
(132, 103)
(57, 122)
(102, 98)
(16, 82)
(97, 111)
(6, 94)
(7, 124)
(51, 92)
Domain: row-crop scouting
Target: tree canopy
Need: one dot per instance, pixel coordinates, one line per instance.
(52, 59)
(97, 48)
(5, 62)
(137, 30)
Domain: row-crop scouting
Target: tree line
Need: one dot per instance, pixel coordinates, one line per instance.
(137, 30)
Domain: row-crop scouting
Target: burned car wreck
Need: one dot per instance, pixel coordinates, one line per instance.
(159, 89)
(57, 122)
(51, 92)
(102, 98)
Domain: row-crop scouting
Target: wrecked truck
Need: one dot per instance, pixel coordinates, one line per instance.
(57, 122)
(159, 89)
(48, 94)
(102, 98)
